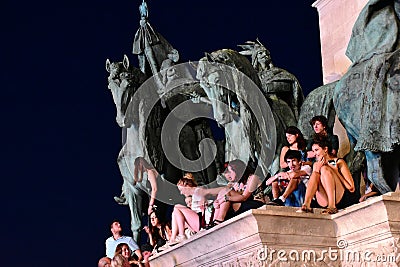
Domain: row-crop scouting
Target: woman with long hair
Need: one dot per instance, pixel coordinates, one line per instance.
(295, 141)
(244, 193)
(159, 232)
(124, 250)
(331, 181)
(119, 261)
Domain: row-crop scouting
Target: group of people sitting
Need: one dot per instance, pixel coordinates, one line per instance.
(311, 176)
(122, 251)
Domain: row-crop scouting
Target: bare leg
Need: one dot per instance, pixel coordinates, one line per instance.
(275, 189)
(321, 196)
(220, 213)
(332, 185)
(312, 187)
(191, 218)
(293, 183)
(179, 220)
(176, 215)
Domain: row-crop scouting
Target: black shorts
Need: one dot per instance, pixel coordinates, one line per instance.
(245, 206)
(348, 199)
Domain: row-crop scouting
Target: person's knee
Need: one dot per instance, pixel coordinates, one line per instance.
(176, 212)
(326, 171)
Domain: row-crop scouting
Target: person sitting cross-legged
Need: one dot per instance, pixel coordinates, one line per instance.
(290, 183)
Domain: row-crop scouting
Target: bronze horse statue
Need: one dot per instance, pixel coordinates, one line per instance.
(233, 90)
(141, 117)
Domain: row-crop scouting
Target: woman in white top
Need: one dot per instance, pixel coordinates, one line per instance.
(184, 217)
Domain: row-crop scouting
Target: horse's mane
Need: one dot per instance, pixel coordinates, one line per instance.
(240, 62)
(235, 60)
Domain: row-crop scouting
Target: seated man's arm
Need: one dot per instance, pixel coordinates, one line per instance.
(134, 247)
(304, 171)
(139, 254)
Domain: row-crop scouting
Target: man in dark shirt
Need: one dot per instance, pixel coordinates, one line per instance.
(320, 127)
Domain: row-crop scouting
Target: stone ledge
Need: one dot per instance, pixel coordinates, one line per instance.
(373, 225)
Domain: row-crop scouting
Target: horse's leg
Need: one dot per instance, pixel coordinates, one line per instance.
(375, 171)
(134, 197)
(391, 165)
(121, 200)
(201, 131)
(189, 147)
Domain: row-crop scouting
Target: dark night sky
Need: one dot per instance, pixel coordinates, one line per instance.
(60, 138)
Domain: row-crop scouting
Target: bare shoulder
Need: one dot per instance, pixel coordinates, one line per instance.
(341, 163)
(284, 149)
(254, 179)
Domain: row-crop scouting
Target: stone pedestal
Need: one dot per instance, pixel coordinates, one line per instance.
(366, 234)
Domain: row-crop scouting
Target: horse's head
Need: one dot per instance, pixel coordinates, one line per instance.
(233, 88)
(221, 78)
(123, 81)
(215, 78)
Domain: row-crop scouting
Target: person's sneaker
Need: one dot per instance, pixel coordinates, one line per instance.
(177, 240)
(276, 202)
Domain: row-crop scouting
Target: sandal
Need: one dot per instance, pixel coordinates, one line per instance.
(213, 223)
(305, 209)
(330, 211)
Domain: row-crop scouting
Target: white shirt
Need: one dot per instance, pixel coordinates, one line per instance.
(197, 202)
(111, 245)
(308, 170)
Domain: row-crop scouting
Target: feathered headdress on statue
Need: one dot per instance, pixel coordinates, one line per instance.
(251, 48)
